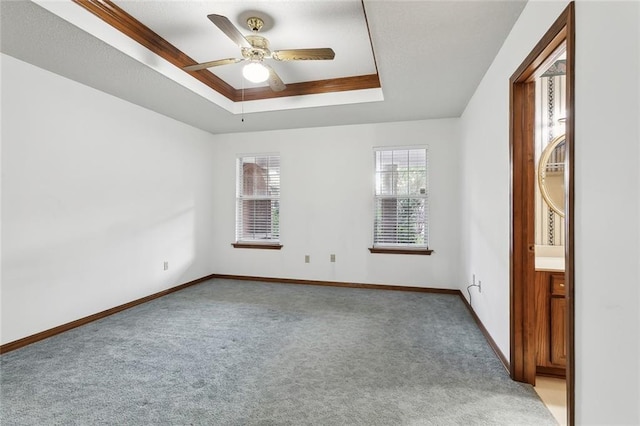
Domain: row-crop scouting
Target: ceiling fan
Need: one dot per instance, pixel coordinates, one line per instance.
(255, 49)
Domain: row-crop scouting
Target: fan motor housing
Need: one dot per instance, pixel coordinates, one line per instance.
(259, 49)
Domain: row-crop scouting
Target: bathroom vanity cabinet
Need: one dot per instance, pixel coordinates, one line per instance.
(550, 308)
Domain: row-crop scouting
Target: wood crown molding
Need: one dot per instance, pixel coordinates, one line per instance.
(113, 15)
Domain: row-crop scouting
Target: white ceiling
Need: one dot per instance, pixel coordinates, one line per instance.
(289, 24)
(430, 56)
(298, 23)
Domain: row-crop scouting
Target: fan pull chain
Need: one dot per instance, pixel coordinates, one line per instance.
(242, 103)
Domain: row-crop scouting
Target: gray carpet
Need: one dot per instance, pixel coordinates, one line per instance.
(242, 353)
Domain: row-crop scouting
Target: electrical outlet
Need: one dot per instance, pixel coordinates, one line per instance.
(307, 258)
(166, 265)
(333, 258)
(473, 284)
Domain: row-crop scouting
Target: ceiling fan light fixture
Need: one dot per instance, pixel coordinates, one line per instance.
(255, 72)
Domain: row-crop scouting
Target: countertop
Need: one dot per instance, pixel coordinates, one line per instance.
(554, 264)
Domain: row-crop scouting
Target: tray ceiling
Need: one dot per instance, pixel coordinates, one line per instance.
(430, 56)
(168, 35)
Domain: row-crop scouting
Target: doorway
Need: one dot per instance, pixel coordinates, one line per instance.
(557, 47)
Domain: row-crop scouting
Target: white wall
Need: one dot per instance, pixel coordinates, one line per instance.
(607, 256)
(486, 174)
(96, 194)
(327, 205)
(607, 182)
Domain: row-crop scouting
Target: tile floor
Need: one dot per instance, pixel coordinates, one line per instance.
(553, 393)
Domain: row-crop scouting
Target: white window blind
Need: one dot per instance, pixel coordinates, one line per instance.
(258, 199)
(401, 198)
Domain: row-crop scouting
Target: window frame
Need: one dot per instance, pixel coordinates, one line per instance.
(268, 243)
(400, 248)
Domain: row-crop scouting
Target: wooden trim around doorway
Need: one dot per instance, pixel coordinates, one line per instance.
(522, 248)
(569, 272)
(521, 152)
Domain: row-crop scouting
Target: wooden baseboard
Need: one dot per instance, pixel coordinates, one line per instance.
(486, 334)
(483, 329)
(337, 284)
(16, 344)
(82, 321)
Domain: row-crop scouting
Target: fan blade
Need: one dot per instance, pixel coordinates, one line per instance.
(275, 82)
(304, 54)
(229, 29)
(205, 65)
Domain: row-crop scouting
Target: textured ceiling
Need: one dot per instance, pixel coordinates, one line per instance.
(431, 55)
(167, 36)
(289, 24)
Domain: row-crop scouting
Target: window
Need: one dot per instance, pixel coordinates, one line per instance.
(258, 202)
(401, 201)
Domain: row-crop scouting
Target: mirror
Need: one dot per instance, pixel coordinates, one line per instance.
(551, 174)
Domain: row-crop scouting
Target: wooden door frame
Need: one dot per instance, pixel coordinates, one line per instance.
(522, 161)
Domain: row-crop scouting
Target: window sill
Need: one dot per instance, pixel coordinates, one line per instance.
(268, 246)
(401, 250)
